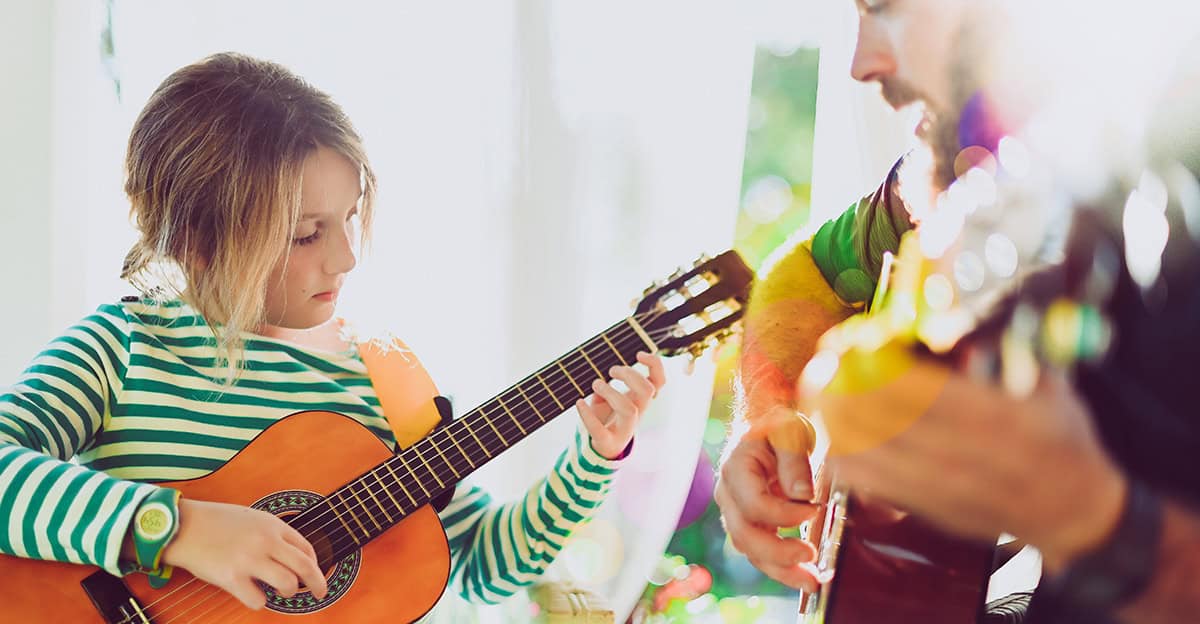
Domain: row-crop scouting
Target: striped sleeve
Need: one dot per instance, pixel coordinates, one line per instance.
(499, 549)
(56, 509)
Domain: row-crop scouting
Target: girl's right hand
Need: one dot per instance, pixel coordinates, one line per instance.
(230, 546)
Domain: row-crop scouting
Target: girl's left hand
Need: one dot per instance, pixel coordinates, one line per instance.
(612, 416)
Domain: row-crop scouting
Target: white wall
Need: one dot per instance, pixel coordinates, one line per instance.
(26, 219)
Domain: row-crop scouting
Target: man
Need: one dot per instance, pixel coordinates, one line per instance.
(1077, 469)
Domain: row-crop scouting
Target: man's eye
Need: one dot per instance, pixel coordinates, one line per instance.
(875, 7)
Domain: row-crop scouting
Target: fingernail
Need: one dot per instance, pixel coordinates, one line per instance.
(801, 491)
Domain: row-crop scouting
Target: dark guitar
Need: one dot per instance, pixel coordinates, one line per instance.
(890, 566)
(366, 510)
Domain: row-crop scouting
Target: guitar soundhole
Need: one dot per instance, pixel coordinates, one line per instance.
(340, 576)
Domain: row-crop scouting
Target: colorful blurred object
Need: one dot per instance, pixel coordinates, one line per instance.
(700, 494)
(700, 580)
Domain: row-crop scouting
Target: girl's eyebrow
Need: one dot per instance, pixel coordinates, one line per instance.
(318, 215)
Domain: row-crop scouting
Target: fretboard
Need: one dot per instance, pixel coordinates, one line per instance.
(375, 501)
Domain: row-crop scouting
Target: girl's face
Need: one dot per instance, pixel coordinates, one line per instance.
(303, 288)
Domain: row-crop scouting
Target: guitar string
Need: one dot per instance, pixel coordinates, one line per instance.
(509, 428)
(446, 434)
(507, 425)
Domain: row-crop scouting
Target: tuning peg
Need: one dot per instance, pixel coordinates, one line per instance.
(701, 260)
(655, 285)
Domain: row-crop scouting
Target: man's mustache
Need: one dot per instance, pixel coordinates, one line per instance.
(899, 94)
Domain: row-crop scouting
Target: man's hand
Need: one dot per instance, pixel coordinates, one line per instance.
(753, 504)
(976, 460)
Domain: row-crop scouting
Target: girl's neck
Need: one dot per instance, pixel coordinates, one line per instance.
(325, 337)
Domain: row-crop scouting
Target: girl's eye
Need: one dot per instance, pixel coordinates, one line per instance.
(311, 238)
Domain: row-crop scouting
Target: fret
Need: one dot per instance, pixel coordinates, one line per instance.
(614, 349)
(561, 407)
(488, 419)
(571, 379)
(444, 460)
(510, 415)
(350, 486)
(637, 328)
(389, 495)
(435, 476)
(467, 425)
(454, 439)
(415, 477)
(333, 506)
(589, 361)
(535, 409)
(402, 488)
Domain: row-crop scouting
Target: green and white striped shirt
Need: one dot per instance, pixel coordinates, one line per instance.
(132, 393)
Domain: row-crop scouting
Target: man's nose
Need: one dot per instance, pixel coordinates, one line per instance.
(873, 56)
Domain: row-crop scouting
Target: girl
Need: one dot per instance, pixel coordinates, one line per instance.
(248, 187)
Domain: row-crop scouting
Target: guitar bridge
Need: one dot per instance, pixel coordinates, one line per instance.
(113, 599)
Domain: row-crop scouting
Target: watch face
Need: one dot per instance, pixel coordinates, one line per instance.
(153, 521)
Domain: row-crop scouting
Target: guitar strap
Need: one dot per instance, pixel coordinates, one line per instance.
(404, 388)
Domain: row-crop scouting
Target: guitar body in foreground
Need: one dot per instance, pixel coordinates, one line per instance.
(892, 567)
(300, 458)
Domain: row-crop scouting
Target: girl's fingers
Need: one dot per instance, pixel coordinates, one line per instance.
(591, 422)
(658, 376)
(620, 403)
(639, 387)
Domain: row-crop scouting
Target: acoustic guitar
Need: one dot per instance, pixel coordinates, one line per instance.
(367, 510)
(1019, 276)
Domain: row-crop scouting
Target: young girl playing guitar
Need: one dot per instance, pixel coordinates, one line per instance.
(250, 190)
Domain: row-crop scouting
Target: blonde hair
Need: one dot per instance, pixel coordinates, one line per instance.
(213, 176)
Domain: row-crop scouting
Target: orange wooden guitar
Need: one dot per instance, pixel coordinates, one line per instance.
(368, 511)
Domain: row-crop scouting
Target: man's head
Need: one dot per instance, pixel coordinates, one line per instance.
(924, 52)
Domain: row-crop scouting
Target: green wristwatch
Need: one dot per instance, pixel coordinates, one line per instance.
(154, 524)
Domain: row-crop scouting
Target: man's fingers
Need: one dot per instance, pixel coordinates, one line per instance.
(746, 489)
(763, 546)
(802, 576)
(795, 475)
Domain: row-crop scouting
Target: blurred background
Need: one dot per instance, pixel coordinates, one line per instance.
(540, 162)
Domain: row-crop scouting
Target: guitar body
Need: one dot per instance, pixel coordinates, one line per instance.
(892, 567)
(395, 578)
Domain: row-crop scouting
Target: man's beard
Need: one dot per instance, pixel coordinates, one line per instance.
(942, 135)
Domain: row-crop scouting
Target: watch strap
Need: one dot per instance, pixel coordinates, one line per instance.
(1121, 567)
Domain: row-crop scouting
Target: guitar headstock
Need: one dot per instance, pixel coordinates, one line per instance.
(696, 307)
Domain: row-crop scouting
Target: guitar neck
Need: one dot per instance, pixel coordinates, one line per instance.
(421, 472)
(454, 451)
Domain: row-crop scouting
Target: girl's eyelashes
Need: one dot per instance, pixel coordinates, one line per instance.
(311, 238)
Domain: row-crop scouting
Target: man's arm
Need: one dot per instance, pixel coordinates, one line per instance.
(813, 286)
(1173, 594)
